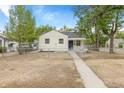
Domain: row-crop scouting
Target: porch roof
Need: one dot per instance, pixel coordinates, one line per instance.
(76, 38)
(3, 36)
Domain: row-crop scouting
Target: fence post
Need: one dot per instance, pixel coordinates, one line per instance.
(48, 53)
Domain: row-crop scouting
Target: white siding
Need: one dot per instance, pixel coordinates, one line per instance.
(54, 42)
(78, 48)
(14, 47)
(4, 41)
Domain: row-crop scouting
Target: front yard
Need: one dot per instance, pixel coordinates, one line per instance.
(39, 70)
(109, 67)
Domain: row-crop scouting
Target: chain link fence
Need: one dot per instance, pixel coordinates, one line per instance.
(49, 52)
(115, 50)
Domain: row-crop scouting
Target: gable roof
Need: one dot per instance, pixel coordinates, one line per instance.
(2, 36)
(44, 33)
(69, 34)
(72, 34)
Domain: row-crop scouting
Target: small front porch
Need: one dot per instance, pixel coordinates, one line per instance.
(75, 44)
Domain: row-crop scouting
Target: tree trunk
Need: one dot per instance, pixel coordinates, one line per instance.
(111, 43)
(97, 39)
(20, 49)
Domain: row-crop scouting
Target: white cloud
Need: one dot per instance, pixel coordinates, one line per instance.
(5, 9)
(43, 14)
(38, 9)
(49, 16)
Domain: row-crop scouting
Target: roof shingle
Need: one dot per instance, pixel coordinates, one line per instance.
(72, 34)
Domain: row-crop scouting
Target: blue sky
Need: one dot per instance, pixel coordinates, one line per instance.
(54, 15)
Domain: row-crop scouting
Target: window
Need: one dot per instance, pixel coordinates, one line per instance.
(10, 45)
(61, 41)
(47, 41)
(78, 43)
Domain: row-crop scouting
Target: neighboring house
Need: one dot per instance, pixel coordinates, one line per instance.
(34, 45)
(12, 46)
(9, 45)
(60, 41)
(3, 41)
(118, 43)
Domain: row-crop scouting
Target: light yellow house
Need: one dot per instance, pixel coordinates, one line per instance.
(60, 41)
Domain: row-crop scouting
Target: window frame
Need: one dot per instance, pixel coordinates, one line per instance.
(78, 43)
(61, 42)
(47, 42)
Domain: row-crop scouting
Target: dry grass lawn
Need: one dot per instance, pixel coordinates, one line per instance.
(39, 70)
(109, 67)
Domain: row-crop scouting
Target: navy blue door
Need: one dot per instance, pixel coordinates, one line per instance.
(71, 44)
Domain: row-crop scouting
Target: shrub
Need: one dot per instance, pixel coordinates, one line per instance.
(2, 49)
(120, 46)
(24, 48)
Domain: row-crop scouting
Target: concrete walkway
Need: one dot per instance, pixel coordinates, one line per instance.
(89, 77)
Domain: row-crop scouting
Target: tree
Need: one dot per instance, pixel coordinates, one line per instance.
(111, 21)
(119, 35)
(88, 15)
(103, 39)
(42, 29)
(30, 32)
(85, 29)
(21, 25)
(107, 19)
(65, 29)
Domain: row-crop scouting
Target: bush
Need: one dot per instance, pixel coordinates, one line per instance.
(2, 49)
(23, 50)
(120, 46)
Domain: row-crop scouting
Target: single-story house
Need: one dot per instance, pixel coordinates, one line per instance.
(118, 43)
(3, 40)
(34, 45)
(12, 46)
(9, 45)
(60, 41)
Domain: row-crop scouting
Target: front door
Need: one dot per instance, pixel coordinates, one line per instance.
(70, 44)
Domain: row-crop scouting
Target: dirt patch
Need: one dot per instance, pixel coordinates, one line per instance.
(109, 67)
(100, 55)
(39, 70)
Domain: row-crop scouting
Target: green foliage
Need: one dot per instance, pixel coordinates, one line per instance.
(30, 32)
(103, 40)
(119, 35)
(104, 19)
(65, 29)
(87, 21)
(85, 30)
(120, 46)
(111, 19)
(21, 25)
(88, 41)
(2, 49)
(42, 29)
